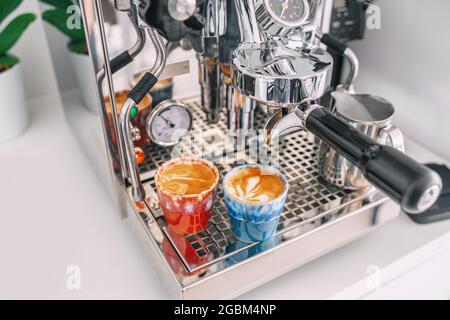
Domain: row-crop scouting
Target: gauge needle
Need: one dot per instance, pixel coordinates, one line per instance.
(167, 121)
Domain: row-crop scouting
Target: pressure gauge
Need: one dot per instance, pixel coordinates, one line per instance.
(288, 13)
(169, 122)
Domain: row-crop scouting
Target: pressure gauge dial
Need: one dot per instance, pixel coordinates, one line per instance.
(169, 122)
(288, 13)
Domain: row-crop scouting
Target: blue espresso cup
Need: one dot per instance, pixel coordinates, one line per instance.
(254, 221)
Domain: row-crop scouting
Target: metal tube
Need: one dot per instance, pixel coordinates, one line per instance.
(99, 16)
(138, 191)
(134, 50)
(161, 53)
(208, 59)
(140, 41)
(354, 68)
(106, 70)
(353, 61)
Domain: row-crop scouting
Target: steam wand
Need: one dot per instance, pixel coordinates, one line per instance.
(129, 109)
(116, 64)
(127, 56)
(342, 49)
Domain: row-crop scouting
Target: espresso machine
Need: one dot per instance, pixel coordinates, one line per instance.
(265, 70)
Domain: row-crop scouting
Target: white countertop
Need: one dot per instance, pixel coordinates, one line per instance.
(54, 213)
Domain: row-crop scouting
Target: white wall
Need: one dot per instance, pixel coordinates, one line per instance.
(408, 62)
(32, 49)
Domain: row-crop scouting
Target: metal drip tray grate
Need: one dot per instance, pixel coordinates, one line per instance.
(310, 202)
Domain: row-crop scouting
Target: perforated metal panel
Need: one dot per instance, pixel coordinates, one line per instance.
(308, 195)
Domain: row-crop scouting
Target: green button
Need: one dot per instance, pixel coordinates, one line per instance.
(134, 112)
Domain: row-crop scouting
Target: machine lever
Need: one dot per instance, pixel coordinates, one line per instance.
(414, 186)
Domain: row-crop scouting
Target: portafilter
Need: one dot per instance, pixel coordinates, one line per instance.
(291, 74)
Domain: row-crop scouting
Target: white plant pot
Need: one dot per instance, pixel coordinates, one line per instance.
(85, 78)
(13, 106)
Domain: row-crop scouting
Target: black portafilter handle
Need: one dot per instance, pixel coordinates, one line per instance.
(412, 185)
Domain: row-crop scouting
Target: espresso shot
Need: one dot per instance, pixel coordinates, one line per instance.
(255, 197)
(186, 190)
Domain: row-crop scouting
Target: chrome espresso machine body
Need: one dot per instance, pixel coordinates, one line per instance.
(264, 71)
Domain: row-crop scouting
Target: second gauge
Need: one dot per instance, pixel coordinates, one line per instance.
(169, 122)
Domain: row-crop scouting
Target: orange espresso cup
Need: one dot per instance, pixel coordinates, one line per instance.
(186, 189)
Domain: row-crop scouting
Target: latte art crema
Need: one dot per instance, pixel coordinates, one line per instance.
(255, 185)
(187, 178)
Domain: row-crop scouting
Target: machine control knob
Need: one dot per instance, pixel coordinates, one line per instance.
(181, 10)
(174, 19)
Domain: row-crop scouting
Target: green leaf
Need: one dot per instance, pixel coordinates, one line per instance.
(7, 61)
(8, 6)
(13, 31)
(78, 46)
(59, 4)
(58, 19)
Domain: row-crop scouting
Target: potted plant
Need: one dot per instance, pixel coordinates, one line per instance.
(59, 16)
(13, 107)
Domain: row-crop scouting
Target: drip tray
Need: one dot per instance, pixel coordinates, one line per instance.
(215, 255)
